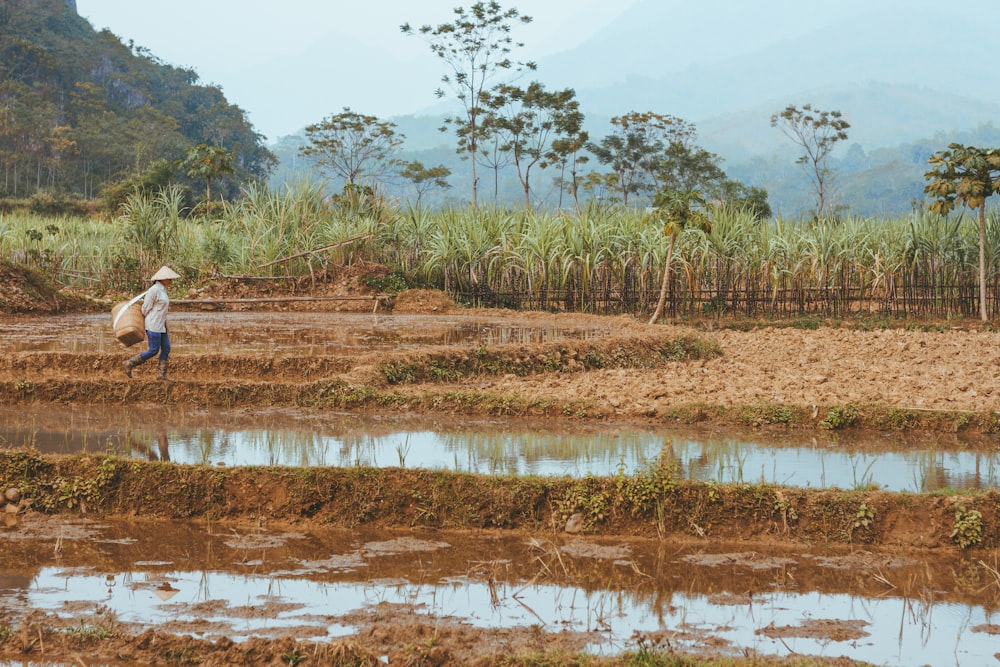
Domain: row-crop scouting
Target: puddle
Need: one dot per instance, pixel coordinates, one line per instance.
(282, 334)
(915, 463)
(183, 579)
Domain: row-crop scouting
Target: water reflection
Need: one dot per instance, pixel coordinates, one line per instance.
(280, 334)
(890, 631)
(499, 447)
(186, 580)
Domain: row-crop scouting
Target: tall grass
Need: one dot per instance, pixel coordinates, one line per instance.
(597, 259)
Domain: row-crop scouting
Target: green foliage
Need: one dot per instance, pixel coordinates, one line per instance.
(157, 176)
(392, 283)
(93, 110)
(636, 150)
(152, 224)
(639, 494)
(968, 176)
(685, 348)
(293, 657)
(401, 373)
(79, 491)
(588, 497)
(424, 178)
(766, 413)
(864, 519)
(355, 148)
(102, 625)
(840, 416)
(648, 487)
(962, 175)
(968, 530)
(899, 419)
(532, 126)
(208, 163)
(216, 249)
(807, 323)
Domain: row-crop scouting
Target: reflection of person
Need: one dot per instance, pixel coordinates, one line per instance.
(155, 305)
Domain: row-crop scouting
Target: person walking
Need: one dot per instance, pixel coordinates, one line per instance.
(155, 305)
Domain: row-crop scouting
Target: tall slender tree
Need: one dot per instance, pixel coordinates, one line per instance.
(476, 49)
(817, 132)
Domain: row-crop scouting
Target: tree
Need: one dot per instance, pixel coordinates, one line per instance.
(968, 176)
(491, 153)
(685, 167)
(635, 147)
(567, 151)
(677, 210)
(425, 178)
(749, 198)
(817, 132)
(530, 119)
(476, 48)
(353, 146)
(209, 163)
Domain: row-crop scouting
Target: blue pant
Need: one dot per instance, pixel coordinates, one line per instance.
(159, 343)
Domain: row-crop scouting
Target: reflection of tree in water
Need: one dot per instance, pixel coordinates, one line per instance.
(140, 443)
(936, 476)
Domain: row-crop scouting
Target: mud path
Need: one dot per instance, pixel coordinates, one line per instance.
(586, 367)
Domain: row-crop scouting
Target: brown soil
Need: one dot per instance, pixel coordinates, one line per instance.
(929, 377)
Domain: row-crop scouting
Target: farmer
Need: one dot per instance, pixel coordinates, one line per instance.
(154, 308)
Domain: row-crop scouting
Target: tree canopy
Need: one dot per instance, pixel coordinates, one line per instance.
(80, 111)
(966, 176)
(353, 146)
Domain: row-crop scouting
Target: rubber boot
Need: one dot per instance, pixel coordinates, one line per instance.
(132, 363)
(162, 368)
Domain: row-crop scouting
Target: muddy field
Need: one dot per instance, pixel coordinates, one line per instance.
(421, 354)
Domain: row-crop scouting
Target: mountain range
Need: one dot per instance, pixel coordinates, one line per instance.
(899, 71)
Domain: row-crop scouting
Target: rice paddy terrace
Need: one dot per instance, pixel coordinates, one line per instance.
(473, 487)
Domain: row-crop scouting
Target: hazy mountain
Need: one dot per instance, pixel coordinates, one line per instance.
(909, 75)
(897, 70)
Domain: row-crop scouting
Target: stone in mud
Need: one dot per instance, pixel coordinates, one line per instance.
(574, 524)
(12, 495)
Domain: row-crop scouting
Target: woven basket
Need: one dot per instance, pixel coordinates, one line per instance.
(131, 327)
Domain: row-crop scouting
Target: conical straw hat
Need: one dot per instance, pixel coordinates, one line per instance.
(165, 273)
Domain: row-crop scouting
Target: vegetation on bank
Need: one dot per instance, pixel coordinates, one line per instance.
(650, 501)
(598, 260)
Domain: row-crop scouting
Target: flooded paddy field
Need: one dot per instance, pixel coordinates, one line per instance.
(504, 446)
(288, 334)
(598, 595)
(459, 488)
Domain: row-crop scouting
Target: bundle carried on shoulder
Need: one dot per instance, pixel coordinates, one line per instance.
(128, 323)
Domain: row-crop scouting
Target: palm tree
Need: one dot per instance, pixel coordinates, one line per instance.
(675, 209)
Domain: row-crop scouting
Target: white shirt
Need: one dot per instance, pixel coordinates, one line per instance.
(154, 308)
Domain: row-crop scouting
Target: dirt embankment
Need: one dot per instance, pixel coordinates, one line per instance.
(649, 503)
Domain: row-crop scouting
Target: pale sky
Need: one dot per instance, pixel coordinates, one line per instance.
(290, 63)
